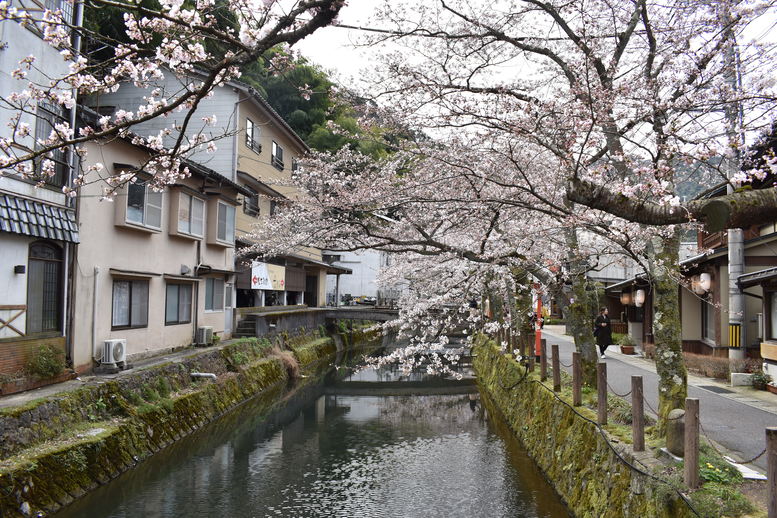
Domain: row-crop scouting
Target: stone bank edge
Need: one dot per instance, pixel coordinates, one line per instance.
(569, 449)
(58, 449)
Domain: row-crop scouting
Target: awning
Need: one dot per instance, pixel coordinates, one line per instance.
(755, 278)
(628, 283)
(37, 219)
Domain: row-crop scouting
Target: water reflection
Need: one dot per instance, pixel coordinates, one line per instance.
(339, 456)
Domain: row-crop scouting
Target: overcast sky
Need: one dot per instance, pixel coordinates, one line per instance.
(332, 47)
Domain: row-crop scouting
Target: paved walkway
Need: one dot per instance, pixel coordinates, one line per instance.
(735, 420)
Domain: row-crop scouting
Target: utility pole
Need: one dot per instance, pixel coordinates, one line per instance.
(736, 249)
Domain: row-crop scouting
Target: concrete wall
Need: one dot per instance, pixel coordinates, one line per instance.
(107, 246)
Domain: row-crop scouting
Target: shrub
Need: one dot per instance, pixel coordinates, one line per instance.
(710, 366)
(290, 363)
(650, 351)
(46, 362)
(625, 340)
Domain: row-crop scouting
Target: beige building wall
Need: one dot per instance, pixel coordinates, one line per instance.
(258, 164)
(111, 250)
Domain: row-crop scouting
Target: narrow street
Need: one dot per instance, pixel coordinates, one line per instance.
(734, 420)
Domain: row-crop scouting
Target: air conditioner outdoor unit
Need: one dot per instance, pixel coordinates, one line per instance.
(114, 352)
(204, 336)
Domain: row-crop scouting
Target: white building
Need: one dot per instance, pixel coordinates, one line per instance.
(38, 229)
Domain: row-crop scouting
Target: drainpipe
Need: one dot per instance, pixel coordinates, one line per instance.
(196, 297)
(71, 249)
(95, 304)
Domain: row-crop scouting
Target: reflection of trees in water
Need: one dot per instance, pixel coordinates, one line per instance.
(441, 414)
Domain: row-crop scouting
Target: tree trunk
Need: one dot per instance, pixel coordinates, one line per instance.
(582, 309)
(667, 330)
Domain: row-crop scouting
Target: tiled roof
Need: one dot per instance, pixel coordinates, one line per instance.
(37, 219)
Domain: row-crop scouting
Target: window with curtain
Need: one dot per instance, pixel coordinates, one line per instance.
(44, 288)
(130, 304)
(178, 304)
(144, 205)
(214, 294)
(191, 215)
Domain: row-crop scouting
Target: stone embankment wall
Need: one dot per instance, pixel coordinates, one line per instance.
(590, 473)
(54, 451)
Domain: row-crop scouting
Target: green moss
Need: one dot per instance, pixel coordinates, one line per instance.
(568, 447)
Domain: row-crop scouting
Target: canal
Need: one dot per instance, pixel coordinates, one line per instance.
(360, 444)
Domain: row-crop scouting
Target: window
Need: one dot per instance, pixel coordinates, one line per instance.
(47, 117)
(294, 164)
(251, 203)
(44, 288)
(273, 207)
(178, 304)
(130, 304)
(226, 223)
(144, 206)
(708, 320)
(252, 136)
(277, 155)
(214, 294)
(191, 213)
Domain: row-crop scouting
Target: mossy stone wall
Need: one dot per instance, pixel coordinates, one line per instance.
(57, 450)
(586, 473)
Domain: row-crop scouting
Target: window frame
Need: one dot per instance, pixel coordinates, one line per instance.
(129, 305)
(277, 156)
(210, 292)
(146, 192)
(179, 285)
(708, 320)
(227, 207)
(191, 201)
(50, 114)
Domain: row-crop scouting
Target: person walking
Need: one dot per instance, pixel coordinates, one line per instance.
(603, 331)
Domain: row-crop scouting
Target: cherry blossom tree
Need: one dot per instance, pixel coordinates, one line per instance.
(209, 40)
(609, 105)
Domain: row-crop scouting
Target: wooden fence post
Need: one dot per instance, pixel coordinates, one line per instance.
(771, 470)
(531, 361)
(601, 385)
(691, 470)
(637, 414)
(556, 363)
(577, 379)
(543, 360)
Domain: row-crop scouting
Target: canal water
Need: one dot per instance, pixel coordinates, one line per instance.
(356, 446)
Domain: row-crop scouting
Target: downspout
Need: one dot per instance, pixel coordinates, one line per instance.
(95, 305)
(71, 249)
(196, 297)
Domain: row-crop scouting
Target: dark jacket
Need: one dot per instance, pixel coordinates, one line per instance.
(603, 333)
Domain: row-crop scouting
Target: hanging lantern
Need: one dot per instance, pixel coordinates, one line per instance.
(639, 298)
(696, 285)
(625, 298)
(705, 282)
